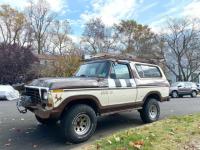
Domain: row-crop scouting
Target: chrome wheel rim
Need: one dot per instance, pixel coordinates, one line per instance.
(81, 124)
(175, 94)
(153, 111)
(194, 94)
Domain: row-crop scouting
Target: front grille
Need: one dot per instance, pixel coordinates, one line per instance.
(34, 94)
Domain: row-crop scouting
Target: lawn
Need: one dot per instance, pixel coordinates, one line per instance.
(175, 133)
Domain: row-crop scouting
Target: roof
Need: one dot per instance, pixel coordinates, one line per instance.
(121, 57)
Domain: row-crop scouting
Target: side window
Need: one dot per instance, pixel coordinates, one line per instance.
(120, 71)
(147, 71)
(188, 84)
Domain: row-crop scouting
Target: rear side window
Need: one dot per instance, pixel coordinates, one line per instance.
(120, 71)
(147, 71)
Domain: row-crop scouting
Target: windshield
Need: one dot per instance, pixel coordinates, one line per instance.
(95, 69)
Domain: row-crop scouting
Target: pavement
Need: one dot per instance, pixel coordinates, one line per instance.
(23, 132)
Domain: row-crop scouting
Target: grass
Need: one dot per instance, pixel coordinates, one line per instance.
(169, 134)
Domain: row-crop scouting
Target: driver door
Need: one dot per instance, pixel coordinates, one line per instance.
(122, 87)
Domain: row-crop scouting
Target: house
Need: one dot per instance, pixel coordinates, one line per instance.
(45, 59)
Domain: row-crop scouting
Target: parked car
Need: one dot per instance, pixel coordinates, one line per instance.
(179, 89)
(7, 92)
(99, 87)
(198, 86)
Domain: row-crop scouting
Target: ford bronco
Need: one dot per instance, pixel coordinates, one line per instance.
(101, 86)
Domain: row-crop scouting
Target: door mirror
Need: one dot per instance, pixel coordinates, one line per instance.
(179, 86)
(113, 75)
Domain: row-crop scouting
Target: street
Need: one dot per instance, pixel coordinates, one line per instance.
(21, 131)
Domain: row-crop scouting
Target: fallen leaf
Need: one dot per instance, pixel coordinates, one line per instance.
(136, 144)
(117, 139)
(172, 133)
(109, 142)
(35, 146)
(98, 146)
(12, 129)
(7, 144)
(18, 130)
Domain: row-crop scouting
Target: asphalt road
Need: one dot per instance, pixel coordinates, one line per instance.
(21, 131)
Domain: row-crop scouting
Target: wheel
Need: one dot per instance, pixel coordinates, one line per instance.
(48, 121)
(150, 111)
(78, 123)
(174, 94)
(194, 94)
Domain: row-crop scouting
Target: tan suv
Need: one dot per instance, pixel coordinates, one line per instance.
(99, 87)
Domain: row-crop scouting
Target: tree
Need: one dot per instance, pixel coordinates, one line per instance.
(59, 41)
(136, 39)
(12, 25)
(15, 63)
(182, 47)
(40, 18)
(97, 37)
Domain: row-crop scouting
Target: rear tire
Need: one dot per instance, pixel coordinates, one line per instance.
(150, 111)
(194, 94)
(48, 121)
(78, 123)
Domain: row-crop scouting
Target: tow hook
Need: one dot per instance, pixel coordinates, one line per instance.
(20, 108)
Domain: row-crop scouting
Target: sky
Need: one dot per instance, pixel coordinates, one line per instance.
(148, 12)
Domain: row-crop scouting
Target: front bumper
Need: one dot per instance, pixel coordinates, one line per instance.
(25, 103)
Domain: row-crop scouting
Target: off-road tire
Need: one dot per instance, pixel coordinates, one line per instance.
(48, 121)
(69, 125)
(145, 112)
(194, 95)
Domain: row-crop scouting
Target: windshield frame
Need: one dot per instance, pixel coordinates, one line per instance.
(91, 62)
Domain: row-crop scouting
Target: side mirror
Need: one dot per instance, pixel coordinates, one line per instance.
(113, 75)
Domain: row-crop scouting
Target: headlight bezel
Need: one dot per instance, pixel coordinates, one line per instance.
(44, 94)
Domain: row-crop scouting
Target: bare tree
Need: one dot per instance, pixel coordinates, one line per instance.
(60, 42)
(40, 18)
(97, 37)
(12, 25)
(181, 47)
(136, 39)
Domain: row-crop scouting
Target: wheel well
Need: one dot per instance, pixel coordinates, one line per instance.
(155, 95)
(88, 102)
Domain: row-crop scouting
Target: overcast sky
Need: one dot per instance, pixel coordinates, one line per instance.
(149, 12)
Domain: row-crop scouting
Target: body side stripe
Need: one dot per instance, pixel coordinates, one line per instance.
(117, 83)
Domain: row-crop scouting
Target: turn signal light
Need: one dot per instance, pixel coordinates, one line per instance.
(58, 91)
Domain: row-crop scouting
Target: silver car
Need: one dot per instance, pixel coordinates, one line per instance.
(198, 86)
(180, 89)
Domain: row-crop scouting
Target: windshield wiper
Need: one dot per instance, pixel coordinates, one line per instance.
(83, 75)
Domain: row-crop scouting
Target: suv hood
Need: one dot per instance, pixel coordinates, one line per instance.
(68, 83)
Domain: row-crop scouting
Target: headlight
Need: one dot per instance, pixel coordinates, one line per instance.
(45, 96)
